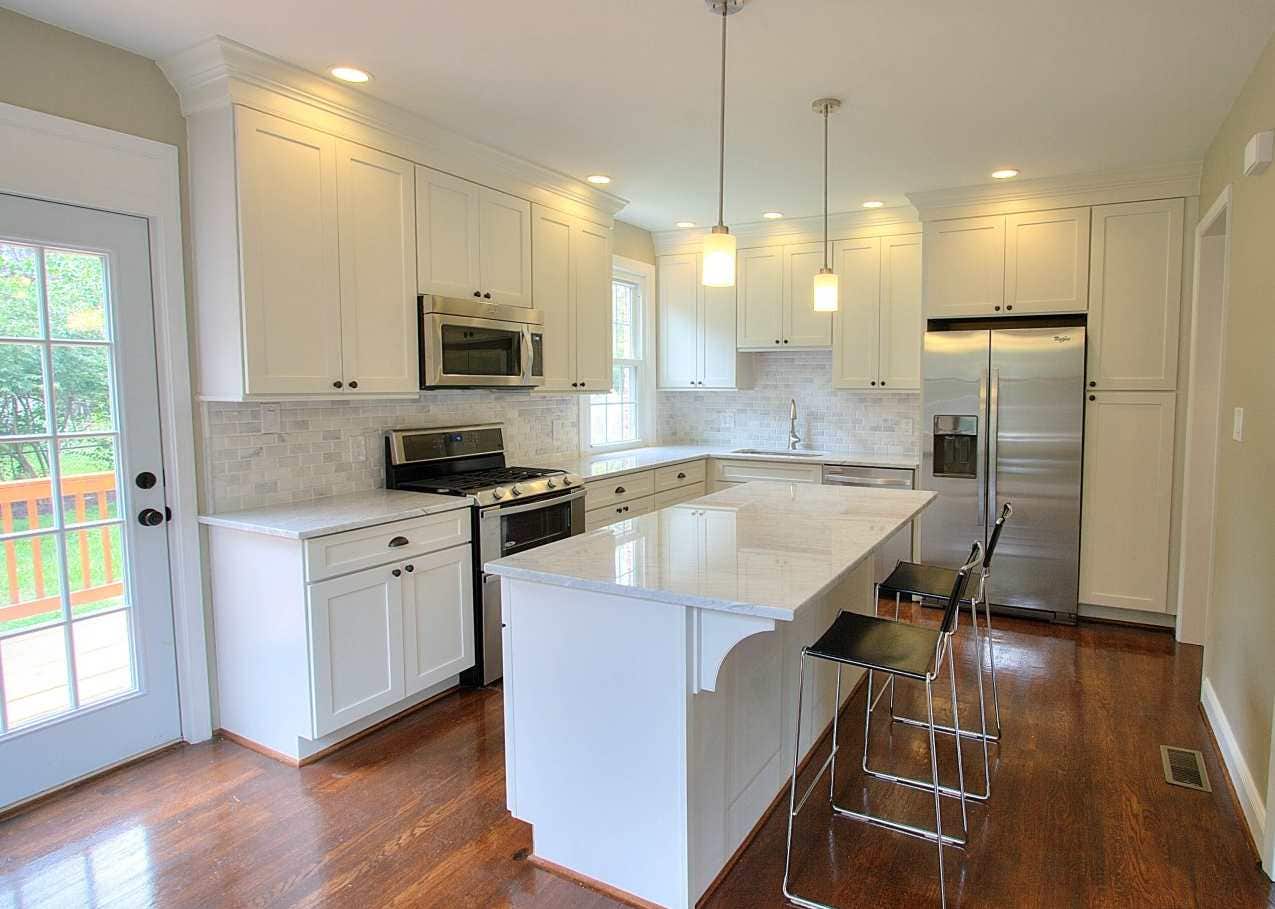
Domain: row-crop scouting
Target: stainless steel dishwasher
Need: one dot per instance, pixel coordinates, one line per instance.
(898, 547)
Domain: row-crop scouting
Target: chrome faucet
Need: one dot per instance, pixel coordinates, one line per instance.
(793, 438)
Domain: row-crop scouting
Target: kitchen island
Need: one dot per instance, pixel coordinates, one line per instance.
(651, 674)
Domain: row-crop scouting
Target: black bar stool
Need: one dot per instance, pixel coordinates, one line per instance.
(896, 648)
(932, 582)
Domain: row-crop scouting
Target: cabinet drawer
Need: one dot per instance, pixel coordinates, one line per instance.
(746, 471)
(680, 494)
(614, 490)
(339, 553)
(609, 514)
(676, 475)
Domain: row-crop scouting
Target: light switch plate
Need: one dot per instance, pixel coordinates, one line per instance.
(1237, 427)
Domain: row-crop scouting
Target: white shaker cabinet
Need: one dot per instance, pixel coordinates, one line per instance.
(572, 276)
(1136, 295)
(803, 327)
(472, 242)
(1047, 262)
(697, 329)
(1128, 484)
(438, 638)
(902, 326)
(759, 285)
(964, 267)
(877, 328)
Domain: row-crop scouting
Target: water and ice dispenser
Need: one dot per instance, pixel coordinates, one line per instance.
(955, 446)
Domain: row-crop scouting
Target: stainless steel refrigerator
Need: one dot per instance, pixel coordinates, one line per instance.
(1003, 421)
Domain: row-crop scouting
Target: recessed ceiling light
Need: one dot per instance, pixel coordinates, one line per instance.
(1004, 173)
(598, 179)
(685, 223)
(772, 215)
(873, 203)
(350, 74)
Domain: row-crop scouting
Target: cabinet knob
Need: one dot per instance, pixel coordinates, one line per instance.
(872, 384)
(336, 384)
(997, 308)
(487, 296)
(776, 340)
(1093, 397)
(785, 340)
(1009, 307)
(410, 567)
(478, 293)
(1093, 384)
(883, 383)
(575, 384)
(354, 384)
(396, 573)
(681, 475)
(582, 385)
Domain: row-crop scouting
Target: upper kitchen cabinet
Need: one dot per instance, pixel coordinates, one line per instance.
(803, 327)
(572, 277)
(472, 242)
(306, 253)
(877, 327)
(1023, 264)
(696, 329)
(1135, 295)
(775, 299)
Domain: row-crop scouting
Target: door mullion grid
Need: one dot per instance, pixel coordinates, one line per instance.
(55, 485)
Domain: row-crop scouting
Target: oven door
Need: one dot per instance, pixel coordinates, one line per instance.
(467, 352)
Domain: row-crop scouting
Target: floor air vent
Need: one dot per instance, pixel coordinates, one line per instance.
(1184, 767)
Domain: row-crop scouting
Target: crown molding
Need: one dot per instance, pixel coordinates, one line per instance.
(878, 222)
(1165, 181)
(219, 72)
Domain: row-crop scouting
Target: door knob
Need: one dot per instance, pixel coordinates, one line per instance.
(149, 517)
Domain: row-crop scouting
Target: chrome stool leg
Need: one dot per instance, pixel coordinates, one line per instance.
(934, 775)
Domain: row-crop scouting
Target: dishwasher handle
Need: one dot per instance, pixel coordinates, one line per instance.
(835, 479)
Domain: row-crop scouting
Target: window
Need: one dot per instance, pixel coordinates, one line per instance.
(624, 418)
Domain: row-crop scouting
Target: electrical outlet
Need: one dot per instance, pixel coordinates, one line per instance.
(1237, 426)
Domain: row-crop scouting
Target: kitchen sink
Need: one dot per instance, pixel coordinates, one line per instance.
(780, 452)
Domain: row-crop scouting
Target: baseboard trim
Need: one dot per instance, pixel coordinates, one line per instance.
(593, 884)
(1243, 786)
(19, 807)
(1117, 616)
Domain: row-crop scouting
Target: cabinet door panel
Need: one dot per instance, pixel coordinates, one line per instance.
(1136, 295)
(591, 250)
(378, 270)
(964, 267)
(554, 278)
(902, 327)
(504, 248)
(447, 234)
(717, 351)
(438, 618)
(1124, 537)
(803, 327)
(1047, 261)
(678, 285)
(856, 330)
(288, 235)
(760, 298)
(356, 647)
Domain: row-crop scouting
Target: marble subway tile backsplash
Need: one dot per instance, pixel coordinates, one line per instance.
(877, 423)
(269, 454)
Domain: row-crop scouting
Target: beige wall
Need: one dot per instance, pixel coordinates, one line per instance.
(633, 243)
(1239, 654)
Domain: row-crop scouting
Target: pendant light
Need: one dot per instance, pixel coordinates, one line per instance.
(719, 245)
(826, 279)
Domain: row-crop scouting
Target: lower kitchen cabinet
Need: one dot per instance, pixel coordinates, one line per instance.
(318, 639)
(1125, 507)
(630, 495)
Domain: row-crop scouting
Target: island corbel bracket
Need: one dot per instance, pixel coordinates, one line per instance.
(712, 635)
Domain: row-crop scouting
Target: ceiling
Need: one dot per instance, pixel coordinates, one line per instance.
(937, 94)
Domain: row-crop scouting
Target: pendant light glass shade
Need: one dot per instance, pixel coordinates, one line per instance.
(825, 291)
(719, 259)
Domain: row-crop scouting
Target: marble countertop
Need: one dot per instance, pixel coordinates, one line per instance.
(760, 548)
(318, 517)
(610, 464)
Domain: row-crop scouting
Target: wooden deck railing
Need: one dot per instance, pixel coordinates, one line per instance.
(78, 492)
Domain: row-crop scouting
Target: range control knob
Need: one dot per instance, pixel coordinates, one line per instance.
(517, 490)
(550, 484)
(566, 481)
(498, 493)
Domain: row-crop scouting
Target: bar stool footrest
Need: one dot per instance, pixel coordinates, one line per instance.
(921, 833)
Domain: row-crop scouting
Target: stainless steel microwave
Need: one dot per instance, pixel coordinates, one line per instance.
(472, 344)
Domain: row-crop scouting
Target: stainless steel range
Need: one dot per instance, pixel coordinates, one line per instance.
(518, 508)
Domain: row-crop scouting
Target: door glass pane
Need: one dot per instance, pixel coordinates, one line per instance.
(87, 466)
(94, 574)
(25, 494)
(32, 583)
(35, 678)
(21, 390)
(103, 656)
(19, 292)
(82, 388)
(77, 294)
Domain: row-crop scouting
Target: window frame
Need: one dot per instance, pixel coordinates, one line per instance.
(641, 274)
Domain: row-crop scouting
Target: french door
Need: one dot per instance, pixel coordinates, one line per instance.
(87, 664)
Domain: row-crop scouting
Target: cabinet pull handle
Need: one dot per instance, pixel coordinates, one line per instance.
(681, 475)
(620, 490)
(396, 572)
(411, 568)
(397, 542)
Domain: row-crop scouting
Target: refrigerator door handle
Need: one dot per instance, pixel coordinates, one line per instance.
(981, 481)
(993, 429)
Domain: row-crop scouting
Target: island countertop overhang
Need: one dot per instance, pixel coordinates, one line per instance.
(763, 548)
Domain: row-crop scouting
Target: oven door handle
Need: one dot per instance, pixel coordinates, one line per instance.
(496, 511)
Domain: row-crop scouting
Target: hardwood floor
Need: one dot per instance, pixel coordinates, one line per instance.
(414, 815)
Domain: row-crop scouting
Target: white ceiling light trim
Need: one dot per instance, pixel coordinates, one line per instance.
(350, 74)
